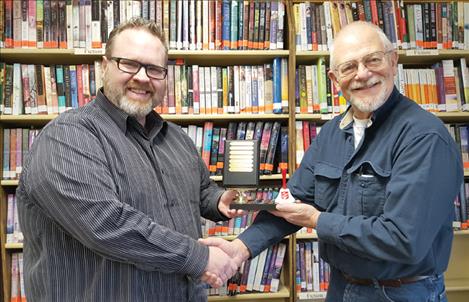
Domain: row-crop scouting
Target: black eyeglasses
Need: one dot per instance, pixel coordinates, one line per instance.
(133, 67)
(372, 61)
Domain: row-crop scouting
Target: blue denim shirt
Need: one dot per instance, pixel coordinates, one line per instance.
(388, 204)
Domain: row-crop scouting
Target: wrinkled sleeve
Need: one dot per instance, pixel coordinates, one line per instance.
(210, 194)
(69, 179)
(268, 229)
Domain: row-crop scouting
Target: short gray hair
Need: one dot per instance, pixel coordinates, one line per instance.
(136, 23)
(387, 45)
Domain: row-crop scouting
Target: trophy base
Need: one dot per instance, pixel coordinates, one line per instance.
(253, 206)
(247, 202)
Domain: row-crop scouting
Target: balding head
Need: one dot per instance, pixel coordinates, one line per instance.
(354, 34)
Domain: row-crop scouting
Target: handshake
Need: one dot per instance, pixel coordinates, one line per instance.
(224, 259)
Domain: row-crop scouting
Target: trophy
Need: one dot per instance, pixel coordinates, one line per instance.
(241, 173)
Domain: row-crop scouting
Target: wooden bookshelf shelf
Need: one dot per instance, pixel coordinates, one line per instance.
(308, 57)
(223, 117)
(9, 182)
(283, 293)
(453, 285)
(42, 119)
(319, 296)
(201, 57)
(448, 117)
(314, 117)
(462, 233)
(312, 235)
(14, 246)
(14, 182)
(262, 177)
(221, 57)
(426, 56)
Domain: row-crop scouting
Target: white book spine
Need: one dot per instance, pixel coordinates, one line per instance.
(261, 88)
(236, 88)
(214, 85)
(17, 90)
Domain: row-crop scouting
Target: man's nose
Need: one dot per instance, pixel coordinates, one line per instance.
(362, 71)
(141, 75)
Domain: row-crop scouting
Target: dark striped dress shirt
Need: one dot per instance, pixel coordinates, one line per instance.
(111, 211)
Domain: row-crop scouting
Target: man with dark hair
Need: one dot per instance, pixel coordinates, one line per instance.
(111, 195)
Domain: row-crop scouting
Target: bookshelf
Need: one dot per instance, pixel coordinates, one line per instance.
(457, 276)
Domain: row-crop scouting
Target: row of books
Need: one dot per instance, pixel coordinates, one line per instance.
(187, 24)
(443, 87)
(461, 208)
(306, 132)
(437, 25)
(315, 92)
(260, 274)
(192, 89)
(16, 144)
(209, 141)
(257, 89)
(312, 273)
(273, 140)
(40, 89)
(18, 293)
(460, 133)
(237, 225)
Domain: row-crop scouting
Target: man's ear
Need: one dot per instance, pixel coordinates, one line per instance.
(334, 79)
(104, 62)
(394, 57)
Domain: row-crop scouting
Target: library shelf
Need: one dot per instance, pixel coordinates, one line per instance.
(448, 117)
(9, 182)
(14, 246)
(456, 285)
(282, 293)
(315, 296)
(14, 182)
(312, 235)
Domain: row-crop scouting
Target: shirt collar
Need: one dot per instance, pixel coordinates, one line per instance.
(154, 121)
(377, 116)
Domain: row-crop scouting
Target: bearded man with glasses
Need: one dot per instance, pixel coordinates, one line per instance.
(111, 195)
(378, 185)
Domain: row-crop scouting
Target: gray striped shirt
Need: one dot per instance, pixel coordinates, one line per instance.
(111, 211)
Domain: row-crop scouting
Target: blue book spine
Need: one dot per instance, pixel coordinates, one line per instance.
(226, 27)
(59, 74)
(73, 86)
(277, 76)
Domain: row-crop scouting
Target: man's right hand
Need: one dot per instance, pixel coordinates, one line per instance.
(220, 267)
(237, 252)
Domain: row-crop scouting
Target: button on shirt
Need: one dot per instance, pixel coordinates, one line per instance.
(111, 211)
(388, 204)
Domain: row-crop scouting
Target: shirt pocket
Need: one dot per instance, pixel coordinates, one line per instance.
(327, 180)
(368, 190)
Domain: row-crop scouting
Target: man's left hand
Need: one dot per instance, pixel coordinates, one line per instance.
(298, 213)
(226, 199)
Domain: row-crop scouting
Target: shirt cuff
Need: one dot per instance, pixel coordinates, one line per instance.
(216, 213)
(329, 227)
(196, 260)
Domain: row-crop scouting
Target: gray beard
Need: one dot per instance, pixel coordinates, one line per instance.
(133, 109)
